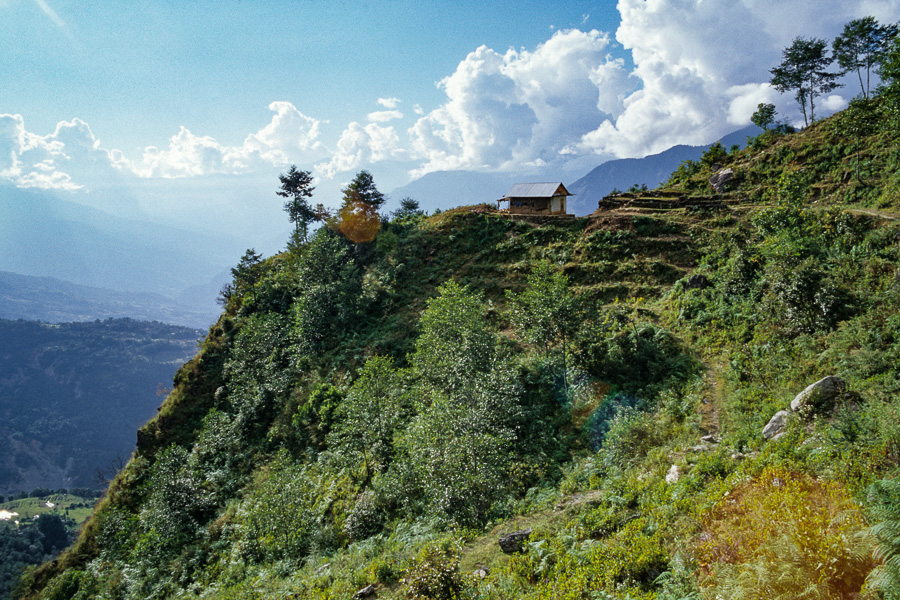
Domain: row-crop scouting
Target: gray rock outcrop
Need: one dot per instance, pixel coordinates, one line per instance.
(513, 542)
(365, 592)
(819, 397)
(776, 424)
(720, 180)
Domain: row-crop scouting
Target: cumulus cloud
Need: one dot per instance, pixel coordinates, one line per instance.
(71, 157)
(29, 160)
(289, 136)
(520, 106)
(389, 102)
(360, 144)
(383, 116)
(704, 66)
(699, 68)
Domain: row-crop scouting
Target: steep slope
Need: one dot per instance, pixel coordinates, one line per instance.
(379, 413)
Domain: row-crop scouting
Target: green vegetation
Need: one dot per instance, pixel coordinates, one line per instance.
(35, 528)
(379, 412)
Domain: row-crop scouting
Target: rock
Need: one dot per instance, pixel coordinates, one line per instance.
(513, 542)
(738, 456)
(481, 572)
(673, 475)
(819, 397)
(709, 439)
(697, 282)
(719, 180)
(365, 592)
(776, 424)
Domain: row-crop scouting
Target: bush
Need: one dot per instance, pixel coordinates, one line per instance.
(784, 535)
(435, 575)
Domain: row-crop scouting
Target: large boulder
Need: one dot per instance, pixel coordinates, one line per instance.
(513, 542)
(697, 281)
(819, 397)
(776, 424)
(720, 180)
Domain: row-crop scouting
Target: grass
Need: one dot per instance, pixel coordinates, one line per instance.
(72, 507)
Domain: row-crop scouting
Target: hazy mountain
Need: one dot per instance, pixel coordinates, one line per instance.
(43, 234)
(650, 170)
(55, 301)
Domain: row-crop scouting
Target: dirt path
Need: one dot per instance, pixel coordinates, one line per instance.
(709, 410)
(875, 213)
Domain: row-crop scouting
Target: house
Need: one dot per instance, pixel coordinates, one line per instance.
(548, 198)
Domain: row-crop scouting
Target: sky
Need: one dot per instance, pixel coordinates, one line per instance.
(187, 111)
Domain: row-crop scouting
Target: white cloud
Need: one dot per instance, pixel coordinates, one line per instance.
(389, 102)
(704, 66)
(508, 109)
(360, 144)
(700, 68)
(383, 116)
(29, 160)
(71, 157)
(289, 137)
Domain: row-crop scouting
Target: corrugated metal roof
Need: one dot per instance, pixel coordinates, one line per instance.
(537, 190)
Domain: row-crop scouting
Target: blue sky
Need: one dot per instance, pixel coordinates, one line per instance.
(186, 111)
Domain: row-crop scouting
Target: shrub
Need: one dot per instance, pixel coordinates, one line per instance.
(784, 535)
(435, 575)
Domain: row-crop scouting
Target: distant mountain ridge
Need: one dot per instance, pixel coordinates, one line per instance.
(56, 301)
(651, 171)
(43, 234)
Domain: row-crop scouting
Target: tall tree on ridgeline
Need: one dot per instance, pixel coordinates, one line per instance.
(861, 47)
(297, 187)
(803, 70)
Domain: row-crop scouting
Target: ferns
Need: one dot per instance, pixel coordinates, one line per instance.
(884, 496)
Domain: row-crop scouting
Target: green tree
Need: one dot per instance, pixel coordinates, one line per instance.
(329, 284)
(889, 71)
(764, 116)
(247, 272)
(542, 313)
(374, 410)
(362, 189)
(460, 448)
(297, 187)
(316, 416)
(456, 342)
(861, 46)
(803, 71)
(409, 207)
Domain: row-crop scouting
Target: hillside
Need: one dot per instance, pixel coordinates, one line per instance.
(72, 396)
(56, 301)
(380, 413)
